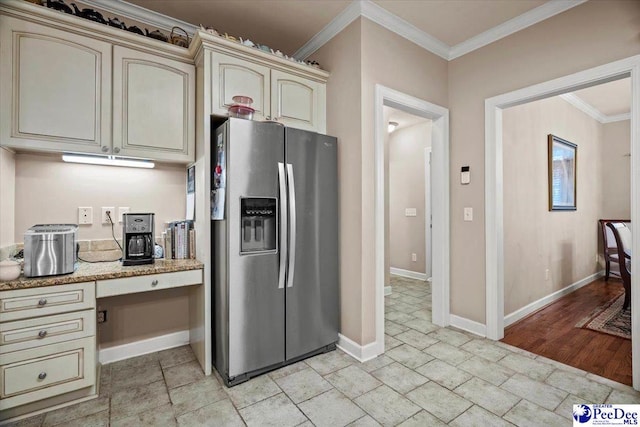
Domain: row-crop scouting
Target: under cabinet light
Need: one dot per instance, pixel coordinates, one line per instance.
(107, 161)
(392, 126)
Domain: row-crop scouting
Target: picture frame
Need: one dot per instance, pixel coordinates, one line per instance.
(562, 164)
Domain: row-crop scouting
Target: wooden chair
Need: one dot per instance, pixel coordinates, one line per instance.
(609, 247)
(622, 236)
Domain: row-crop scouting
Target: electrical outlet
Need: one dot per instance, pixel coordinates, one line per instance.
(122, 211)
(414, 257)
(547, 274)
(111, 211)
(101, 316)
(85, 215)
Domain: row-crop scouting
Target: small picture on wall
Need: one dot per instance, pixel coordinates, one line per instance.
(563, 158)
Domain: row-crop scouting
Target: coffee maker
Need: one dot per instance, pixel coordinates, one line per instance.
(138, 238)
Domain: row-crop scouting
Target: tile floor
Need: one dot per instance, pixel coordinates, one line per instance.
(429, 376)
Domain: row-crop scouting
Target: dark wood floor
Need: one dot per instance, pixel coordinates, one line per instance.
(551, 332)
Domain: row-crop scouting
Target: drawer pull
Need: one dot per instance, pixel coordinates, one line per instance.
(42, 333)
(42, 302)
(154, 283)
(42, 375)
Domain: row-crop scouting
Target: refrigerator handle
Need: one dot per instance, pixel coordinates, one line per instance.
(283, 225)
(292, 226)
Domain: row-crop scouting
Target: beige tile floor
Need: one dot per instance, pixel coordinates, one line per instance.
(429, 376)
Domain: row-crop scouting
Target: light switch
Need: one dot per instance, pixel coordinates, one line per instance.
(468, 214)
(410, 212)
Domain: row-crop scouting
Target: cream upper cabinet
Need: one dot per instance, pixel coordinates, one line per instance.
(233, 76)
(153, 106)
(58, 97)
(298, 102)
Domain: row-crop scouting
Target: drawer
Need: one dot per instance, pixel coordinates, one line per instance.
(151, 282)
(29, 333)
(25, 303)
(42, 372)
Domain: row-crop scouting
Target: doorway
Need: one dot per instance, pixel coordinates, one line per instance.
(439, 197)
(494, 227)
(408, 191)
(554, 294)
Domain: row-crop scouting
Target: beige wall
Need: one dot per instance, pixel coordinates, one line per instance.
(594, 33)
(616, 180)
(394, 62)
(50, 191)
(7, 197)
(407, 190)
(359, 57)
(341, 56)
(144, 315)
(535, 239)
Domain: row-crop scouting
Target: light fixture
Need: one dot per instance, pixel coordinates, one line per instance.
(107, 161)
(392, 126)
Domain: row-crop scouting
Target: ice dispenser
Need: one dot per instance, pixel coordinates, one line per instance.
(258, 223)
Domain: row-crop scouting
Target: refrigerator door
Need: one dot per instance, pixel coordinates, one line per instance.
(312, 292)
(255, 301)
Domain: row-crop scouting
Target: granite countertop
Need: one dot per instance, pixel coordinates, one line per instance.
(87, 272)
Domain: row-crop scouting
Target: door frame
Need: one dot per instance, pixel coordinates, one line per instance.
(494, 226)
(427, 213)
(385, 96)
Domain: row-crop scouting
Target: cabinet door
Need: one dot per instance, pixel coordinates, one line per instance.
(298, 102)
(153, 107)
(56, 89)
(233, 76)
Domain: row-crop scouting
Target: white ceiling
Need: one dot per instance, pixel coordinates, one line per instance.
(403, 119)
(449, 28)
(610, 99)
(454, 21)
(280, 24)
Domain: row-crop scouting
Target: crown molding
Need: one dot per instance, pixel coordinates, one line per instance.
(397, 25)
(618, 118)
(591, 111)
(339, 23)
(141, 14)
(367, 9)
(520, 22)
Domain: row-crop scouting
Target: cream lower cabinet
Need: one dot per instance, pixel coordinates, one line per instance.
(56, 89)
(47, 346)
(153, 106)
(286, 97)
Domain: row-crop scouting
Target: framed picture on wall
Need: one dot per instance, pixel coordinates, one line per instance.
(563, 159)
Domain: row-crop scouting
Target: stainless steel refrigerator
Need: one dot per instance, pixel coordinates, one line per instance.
(274, 247)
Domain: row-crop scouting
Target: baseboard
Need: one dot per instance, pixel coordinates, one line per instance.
(138, 348)
(536, 305)
(387, 290)
(408, 273)
(357, 351)
(468, 325)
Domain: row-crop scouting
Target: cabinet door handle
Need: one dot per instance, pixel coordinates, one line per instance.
(42, 333)
(42, 302)
(154, 283)
(116, 149)
(105, 148)
(42, 375)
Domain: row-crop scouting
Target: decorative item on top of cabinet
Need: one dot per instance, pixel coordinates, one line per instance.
(89, 14)
(181, 40)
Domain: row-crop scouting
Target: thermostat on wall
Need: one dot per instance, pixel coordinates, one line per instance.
(465, 175)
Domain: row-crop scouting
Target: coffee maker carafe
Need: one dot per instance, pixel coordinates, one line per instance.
(138, 238)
